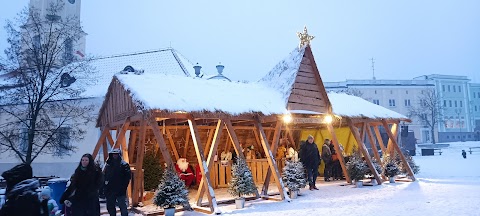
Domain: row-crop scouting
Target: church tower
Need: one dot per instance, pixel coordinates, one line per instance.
(70, 9)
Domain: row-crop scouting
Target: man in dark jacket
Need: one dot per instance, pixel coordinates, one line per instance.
(117, 177)
(327, 159)
(310, 158)
(21, 198)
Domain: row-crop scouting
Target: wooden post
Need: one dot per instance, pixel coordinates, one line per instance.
(380, 140)
(213, 149)
(209, 141)
(339, 152)
(396, 147)
(271, 159)
(172, 144)
(132, 144)
(139, 164)
(110, 140)
(121, 140)
(373, 144)
(161, 142)
(187, 140)
(203, 165)
(274, 147)
(289, 134)
(100, 141)
(391, 140)
(363, 149)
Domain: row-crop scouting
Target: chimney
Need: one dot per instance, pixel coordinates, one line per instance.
(220, 68)
(197, 69)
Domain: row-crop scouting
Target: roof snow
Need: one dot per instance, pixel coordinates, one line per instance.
(180, 93)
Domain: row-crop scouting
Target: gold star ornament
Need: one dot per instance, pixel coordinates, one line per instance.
(304, 37)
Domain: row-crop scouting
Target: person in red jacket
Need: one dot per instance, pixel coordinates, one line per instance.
(185, 172)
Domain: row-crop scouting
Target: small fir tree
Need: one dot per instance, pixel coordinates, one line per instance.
(390, 167)
(356, 167)
(413, 165)
(294, 176)
(171, 191)
(377, 167)
(242, 181)
(153, 170)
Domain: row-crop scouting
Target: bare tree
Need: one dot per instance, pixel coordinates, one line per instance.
(428, 110)
(39, 104)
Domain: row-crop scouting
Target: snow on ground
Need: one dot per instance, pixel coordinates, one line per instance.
(446, 185)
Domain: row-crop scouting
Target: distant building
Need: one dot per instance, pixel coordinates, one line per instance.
(474, 105)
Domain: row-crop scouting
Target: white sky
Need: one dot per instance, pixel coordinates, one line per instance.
(407, 38)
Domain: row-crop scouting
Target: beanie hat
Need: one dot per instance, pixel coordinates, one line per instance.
(310, 137)
(45, 192)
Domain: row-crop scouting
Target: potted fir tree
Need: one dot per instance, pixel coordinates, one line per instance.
(390, 168)
(294, 177)
(357, 169)
(171, 192)
(413, 165)
(241, 183)
(377, 167)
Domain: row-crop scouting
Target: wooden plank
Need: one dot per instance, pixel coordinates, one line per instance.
(339, 152)
(274, 147)
(306, 80)
(307, 93)
(380, 140)
(161, 142)
(172, 144)
(209, 141)
(306, 61)
(306, 74)
(394, 131)
(392, 137)
(105, 151)
(289, 134)
(100, 142)
(299, 106)
(364, 151)
(110, 140)
(308, 54)
(210, 160)
(132, 144)
(306, 68)
(203, 166)
(304, 86)
(187, 140)
(140, 153)
(271, 160)
(120, 141)
(371, 139)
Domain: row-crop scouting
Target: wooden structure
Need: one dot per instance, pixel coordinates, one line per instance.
(200, 134)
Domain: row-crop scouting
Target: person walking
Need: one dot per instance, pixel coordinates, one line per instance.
(117, 178)
(20, 195)
(82, 193)
(464, 154)
(327, 159)
(310, 158)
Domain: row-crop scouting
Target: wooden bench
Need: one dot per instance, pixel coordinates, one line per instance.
(437, 150)
(474, 149)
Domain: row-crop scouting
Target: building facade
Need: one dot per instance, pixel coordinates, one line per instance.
(474, 104)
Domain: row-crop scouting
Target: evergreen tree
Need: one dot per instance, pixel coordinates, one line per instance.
(390, 166)
(242, 180)
(294, 176)
(377, 167)
(356, 167)
(171, 191)
(413, 165)
(153, 170)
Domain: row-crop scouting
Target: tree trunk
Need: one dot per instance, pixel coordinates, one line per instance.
(433, 134)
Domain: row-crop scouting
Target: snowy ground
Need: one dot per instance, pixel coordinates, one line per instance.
(446, 185)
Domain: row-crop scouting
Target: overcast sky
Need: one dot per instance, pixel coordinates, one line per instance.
(406, 38)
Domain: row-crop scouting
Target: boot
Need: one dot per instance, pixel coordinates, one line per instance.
(315, 187)
(310, 187)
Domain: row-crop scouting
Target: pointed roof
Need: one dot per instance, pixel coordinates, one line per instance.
(298, 80)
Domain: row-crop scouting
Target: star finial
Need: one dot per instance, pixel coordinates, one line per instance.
(304, 37)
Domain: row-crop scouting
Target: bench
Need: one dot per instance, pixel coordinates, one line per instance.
(437, 150)
(474, 149)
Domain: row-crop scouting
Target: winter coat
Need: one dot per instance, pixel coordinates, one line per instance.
(83, 192)
(49, 207)
(326, 153)
(309, 155)
(22, 199)
(117, 177)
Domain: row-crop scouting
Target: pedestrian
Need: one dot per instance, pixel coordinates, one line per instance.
(20, 195)
(49, 206)
(82, 193)
(310, 157)
(327, 159)
(117, 178)
(464, 154)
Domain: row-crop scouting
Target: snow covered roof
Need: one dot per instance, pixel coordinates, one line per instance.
(189, 94)
(352, 106)
(282, 76)
(162, 61)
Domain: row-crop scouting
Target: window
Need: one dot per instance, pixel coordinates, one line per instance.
(448, 88)
(53, 17)
(407, 102)
(391, 92)
(450, 103)
(377, 102)
(459, 88)
(68, 52)
(475, 108)
(455, 103)
(448, 137)
(406, 92)
(391, 102)
(443, 88)
(36, 42)
(375, 91)
(478, 94)
(474, 95)
(24, 139)
(454, 88)
(444, 103)
(63, 141)
(461, 103)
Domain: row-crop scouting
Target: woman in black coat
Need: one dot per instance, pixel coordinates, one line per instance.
(82, 193)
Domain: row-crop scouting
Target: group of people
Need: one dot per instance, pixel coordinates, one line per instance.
(311, 158)
(81, 198)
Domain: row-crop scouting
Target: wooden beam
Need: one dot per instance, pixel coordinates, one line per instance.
(339, 152)
(234, 138)
(100, 142)
(105, 151)
(172, 144)
(271, 160)
(371, 139)
(132, 144)
(380, 140)
(363, 149)
(209, 141)
(187, 141)
(161, 142)
(140, 153)
(204, 127)
(397, 148)
(364, 130)
(394, 131)
(274, 147)
(120, 141)
(203, 165)
(210, 157)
